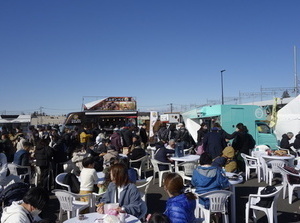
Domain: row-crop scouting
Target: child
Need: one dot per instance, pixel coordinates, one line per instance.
(88, 177)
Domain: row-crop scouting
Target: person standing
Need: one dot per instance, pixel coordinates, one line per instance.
(201, 133)
(43, 155)
(116, 140)
(214, 142)
(143, 135)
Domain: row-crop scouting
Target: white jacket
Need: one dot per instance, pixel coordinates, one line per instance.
(16, 213)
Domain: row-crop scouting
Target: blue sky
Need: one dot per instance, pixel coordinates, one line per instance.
(52, 53)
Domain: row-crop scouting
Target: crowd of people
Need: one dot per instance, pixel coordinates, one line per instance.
(88, 151)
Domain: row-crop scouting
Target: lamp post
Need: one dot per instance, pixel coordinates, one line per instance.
(222, 86)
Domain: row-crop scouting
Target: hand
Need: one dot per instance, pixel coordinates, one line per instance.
(100, 208)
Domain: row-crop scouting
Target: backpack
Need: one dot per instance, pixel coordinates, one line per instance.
(13, 192)
(71, 180)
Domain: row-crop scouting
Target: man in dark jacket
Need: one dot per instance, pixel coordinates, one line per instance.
(22, 156)
(43, 155)
(127, 135)
(285, 142)
(214, 143)
(162, 154)
(183, 136)
(143, 135)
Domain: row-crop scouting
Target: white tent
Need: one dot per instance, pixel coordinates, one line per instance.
(288, 119)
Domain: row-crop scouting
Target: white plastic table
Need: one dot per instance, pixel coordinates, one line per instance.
(91, 217)
(187, 158)
(290, 158)
(232, 198)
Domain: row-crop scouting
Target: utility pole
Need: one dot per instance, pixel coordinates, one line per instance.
(171, 106)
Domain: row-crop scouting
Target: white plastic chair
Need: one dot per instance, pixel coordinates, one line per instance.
(252, 163)
(13, 168)
(59, 180)
(143, 186)
(218, 201)
(188, 169)
(271, 212)
(70, 203)
(160, 172)
(286, 183)
(272, 168)
(141, 169)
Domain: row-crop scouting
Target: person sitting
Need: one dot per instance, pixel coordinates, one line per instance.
(22, 156)
(136, 153)
(28, 209)
(111, 152)
(162, 154)
(180, 206)
(285, 142)
(121, 191)
(171, 144)
(226, 160)
(208, 178)
(88, 177)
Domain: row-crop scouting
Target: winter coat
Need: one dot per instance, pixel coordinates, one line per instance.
(43, 155)
(200, 135)
(16, 213)
(135, 154)
(214, 143)
(21, 158)
(207, 179)
(243, 142)
(162, 156)
(143, 135)
(116, 141)
(127, 137)
(296, 143)
(284, 143)
(130, 199)
(180, 209)
(110, 154)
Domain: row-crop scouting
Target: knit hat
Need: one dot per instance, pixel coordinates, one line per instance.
(228, 152)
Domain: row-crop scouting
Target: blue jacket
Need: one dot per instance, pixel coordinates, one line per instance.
(130, 199)
(207, 179)
(21, 158)
(180, 209)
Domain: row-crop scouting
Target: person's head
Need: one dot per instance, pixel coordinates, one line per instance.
(27, 145)
(88, 162)
(172, 143)
(217, 125)
(158, 218)
(173, 184)
(119, 174)
(144, 126)
(290, 135)
(203, 125)
(135, 138)
(240, 127)
(36, 199)
(205, 159)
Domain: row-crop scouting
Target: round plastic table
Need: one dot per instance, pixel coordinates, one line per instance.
(93, 217)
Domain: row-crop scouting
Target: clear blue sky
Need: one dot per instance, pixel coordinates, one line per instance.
(52, 53)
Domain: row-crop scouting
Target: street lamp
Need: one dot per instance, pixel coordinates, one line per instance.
(222, 86)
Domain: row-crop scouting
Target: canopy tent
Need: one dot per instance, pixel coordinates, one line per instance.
(288, 118)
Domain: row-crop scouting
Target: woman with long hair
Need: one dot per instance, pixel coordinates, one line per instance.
(180, 206)
(121, 191)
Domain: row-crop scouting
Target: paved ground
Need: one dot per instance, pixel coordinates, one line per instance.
(157, 197)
